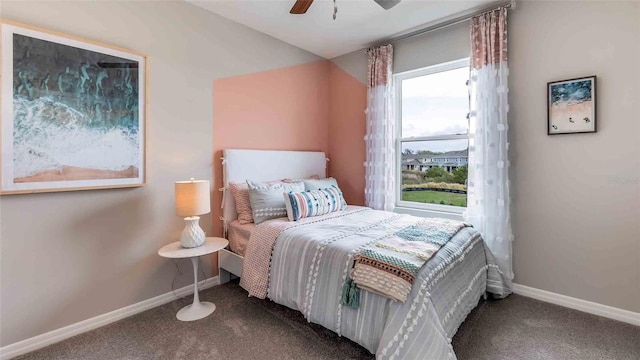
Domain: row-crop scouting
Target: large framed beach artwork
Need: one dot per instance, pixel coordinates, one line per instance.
(73, 113)
(571, 106)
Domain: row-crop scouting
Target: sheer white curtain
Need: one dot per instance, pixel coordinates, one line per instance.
(380, 137)
(488, 185)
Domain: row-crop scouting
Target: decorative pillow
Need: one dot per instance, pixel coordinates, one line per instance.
(288, 181)
(266, 199)
(240, 192)
(319, 184)
(313, 203)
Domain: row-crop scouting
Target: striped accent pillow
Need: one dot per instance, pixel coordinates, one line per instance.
(313, 203)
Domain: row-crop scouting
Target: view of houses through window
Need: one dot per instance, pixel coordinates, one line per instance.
(433, 141)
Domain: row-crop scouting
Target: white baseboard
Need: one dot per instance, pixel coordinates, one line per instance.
(610, 312)
(51, 337)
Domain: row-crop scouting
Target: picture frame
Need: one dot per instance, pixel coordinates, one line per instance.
(73, 113)
(571, 106)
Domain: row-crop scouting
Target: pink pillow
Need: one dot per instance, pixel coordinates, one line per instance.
(240, 193)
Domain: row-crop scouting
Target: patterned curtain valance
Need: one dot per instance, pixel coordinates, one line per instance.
(489, 38)
(380, 62)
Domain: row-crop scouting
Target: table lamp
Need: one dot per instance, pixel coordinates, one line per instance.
(192, 199)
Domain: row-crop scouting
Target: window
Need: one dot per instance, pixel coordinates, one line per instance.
(432, 112)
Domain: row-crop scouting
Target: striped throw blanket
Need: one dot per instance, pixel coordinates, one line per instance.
(389, 267)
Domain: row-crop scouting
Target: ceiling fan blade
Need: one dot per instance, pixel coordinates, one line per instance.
(387, 4)
(300, 7)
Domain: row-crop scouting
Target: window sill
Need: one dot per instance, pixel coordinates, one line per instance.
(428, 213)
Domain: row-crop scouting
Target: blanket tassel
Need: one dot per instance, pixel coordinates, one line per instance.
(350, 294)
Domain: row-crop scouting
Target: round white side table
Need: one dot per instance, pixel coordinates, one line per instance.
(197, 310)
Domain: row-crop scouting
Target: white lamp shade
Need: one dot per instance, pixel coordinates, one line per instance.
(192, 197)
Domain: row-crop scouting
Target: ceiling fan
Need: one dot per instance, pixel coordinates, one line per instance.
(301, 6)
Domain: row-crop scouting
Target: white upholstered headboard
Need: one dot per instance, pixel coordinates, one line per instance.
(264, 165)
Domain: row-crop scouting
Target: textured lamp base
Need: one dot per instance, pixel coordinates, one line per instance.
(192, 235)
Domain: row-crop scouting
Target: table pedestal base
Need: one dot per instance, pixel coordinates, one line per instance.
(196, 311)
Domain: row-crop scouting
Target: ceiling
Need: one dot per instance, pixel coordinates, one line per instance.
(359, 23)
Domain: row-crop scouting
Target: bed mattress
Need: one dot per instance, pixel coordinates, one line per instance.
(239, 235)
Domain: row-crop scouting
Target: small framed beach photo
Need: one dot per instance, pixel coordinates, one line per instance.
(571, 106)
(73, 113)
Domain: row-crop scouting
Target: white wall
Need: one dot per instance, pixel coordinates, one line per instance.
(354, 63)
(448, 44)
(66, 257)
(576, 198)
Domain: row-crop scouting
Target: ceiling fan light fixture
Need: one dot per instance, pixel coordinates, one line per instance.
(387, 4)
(301, 6)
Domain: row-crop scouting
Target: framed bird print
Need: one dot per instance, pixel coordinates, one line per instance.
(571, 106)
(73, 113)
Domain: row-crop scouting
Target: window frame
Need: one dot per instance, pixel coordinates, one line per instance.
(397, 81)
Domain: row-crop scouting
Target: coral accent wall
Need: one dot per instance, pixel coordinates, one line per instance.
(347, 126)
(283, 109)
(316, 106)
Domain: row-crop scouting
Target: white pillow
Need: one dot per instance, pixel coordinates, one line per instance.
(267, 201)
(320, 184)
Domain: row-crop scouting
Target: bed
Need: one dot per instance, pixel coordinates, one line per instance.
(303, 266)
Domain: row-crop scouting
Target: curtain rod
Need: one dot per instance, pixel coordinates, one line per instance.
(455, 21)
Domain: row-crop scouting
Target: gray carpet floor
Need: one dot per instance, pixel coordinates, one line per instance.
(248, 328)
